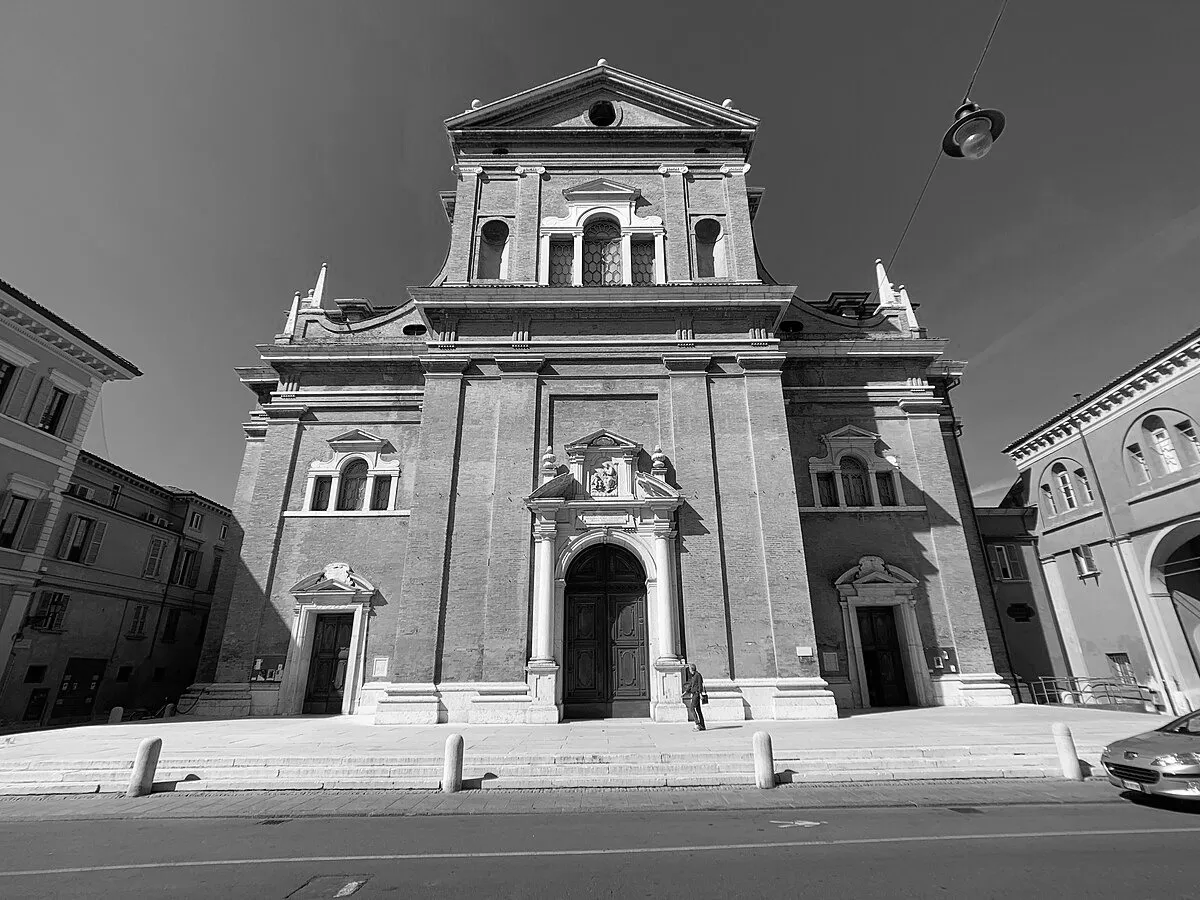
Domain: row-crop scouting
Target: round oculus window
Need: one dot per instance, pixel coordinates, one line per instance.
(413, 330)
(602, 114)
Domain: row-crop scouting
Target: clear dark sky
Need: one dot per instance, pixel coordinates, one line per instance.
(170, 172)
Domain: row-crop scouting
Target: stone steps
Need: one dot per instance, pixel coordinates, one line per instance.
(537, 770)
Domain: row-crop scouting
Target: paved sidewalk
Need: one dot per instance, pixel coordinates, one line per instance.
(272, 806)
(351, 736)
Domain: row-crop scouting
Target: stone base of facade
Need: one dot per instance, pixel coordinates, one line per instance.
(216, 701)
(803, 698)
(541, 681)
(987, 689)
(668, 707)
(408, 704)
(501, 704)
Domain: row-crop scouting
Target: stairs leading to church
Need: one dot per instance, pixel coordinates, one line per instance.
(539, 770)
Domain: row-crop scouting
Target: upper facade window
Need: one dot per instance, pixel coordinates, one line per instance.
(1161, 445)
(1065, 487)
(356, 481)
(602, 241)
(602, 253)
(852, 475)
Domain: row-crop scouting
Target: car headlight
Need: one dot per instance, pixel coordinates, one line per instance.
(1105, 751)
(1177, 759)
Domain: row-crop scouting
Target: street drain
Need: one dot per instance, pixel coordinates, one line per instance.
(272, 821)
(966, 810)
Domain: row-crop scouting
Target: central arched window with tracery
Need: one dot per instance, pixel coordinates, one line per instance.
(353, 485)
(602, 253)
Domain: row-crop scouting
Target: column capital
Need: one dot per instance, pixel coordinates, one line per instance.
(520, 365)
(530, 170)
(453, 366)
(465, 171)
(695, 364)
(761, 363)
(672, 170)
(285, 411)
(739, 169)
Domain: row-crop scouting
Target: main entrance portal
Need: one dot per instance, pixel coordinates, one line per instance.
(605, 655)
(882, 657)
(327, 668)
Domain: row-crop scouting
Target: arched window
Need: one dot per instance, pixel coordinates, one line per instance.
(493, 240)
(353, 486)
(1063, 477)
(602, 253)
(854, 482)
(1081, 477)
(1051, 503)
(1160, 440)
(710, 256)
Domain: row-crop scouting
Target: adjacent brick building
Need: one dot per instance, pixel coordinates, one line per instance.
(602, 441)
(1116, 481)
(51, 374)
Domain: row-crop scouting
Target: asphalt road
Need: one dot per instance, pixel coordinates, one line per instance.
(1096, 850)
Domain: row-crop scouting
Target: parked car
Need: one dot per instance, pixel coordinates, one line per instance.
(1164, 762)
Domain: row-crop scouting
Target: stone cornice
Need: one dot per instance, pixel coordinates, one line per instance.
(761, 363)
(446, 366)
(519, 365)
(1165, 370)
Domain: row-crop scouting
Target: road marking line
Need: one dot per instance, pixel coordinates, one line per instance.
(608, 851)
(349, 888)
(799, 823)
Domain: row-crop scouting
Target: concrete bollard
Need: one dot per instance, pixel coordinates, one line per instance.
(114, 717)
(764, 760)
(453, 768)
(144, 764)
(1068, 757)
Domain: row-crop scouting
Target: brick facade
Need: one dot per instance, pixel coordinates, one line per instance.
(503, 401)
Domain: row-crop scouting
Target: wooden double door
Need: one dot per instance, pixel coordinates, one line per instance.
(883, 658)
(327, 665)
(605, 653)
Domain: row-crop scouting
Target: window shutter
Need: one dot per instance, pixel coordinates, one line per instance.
(40, 399)
(33, 526)
(65, 544)
(23, 382)
(193, 574)
(154, 558)
(1016, 563)
(997, 573)
(70, 418)
(94, 545)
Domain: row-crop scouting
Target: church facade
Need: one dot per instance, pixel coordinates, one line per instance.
(602, 443)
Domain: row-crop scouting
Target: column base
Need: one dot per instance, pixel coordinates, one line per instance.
(986, 689)
(408, 704)
(541, 677)
(668, 705)
(803, 698)
(215, 701)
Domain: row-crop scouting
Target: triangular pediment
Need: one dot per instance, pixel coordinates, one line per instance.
(335, 578)
(600, 190)
(853, 431)
(565, 102)
(357, 437)
(603, 439)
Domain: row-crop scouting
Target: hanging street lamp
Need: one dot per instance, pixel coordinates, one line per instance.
(973, 132)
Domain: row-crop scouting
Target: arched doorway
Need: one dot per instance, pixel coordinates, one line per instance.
(1181, 574)
(604, 646)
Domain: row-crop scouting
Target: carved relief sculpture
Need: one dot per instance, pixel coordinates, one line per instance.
(603, 482)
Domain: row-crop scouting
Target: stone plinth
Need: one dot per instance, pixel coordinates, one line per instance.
(216, 701)
(408, 704)
(988, 689)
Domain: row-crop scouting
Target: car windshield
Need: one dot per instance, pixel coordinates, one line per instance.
(1189, 724)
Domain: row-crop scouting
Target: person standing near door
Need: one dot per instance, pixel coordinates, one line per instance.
(693, 695)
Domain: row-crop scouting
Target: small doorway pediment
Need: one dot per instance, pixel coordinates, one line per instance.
(602, 190)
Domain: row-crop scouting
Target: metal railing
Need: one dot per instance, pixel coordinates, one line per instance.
(1105, 692)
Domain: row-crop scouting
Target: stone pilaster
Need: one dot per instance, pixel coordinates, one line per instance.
(741, 262)
(462, 232)
(702, 577)
(507, 592)
(523, 259)
(419, 621)
(676, 222)
(255, 565)
(954, 601)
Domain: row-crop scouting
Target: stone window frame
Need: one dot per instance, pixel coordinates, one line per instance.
(861, 446)
(346, 449)
(1146, 464)
(509, 223)
(596, 198)
(720, 247)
